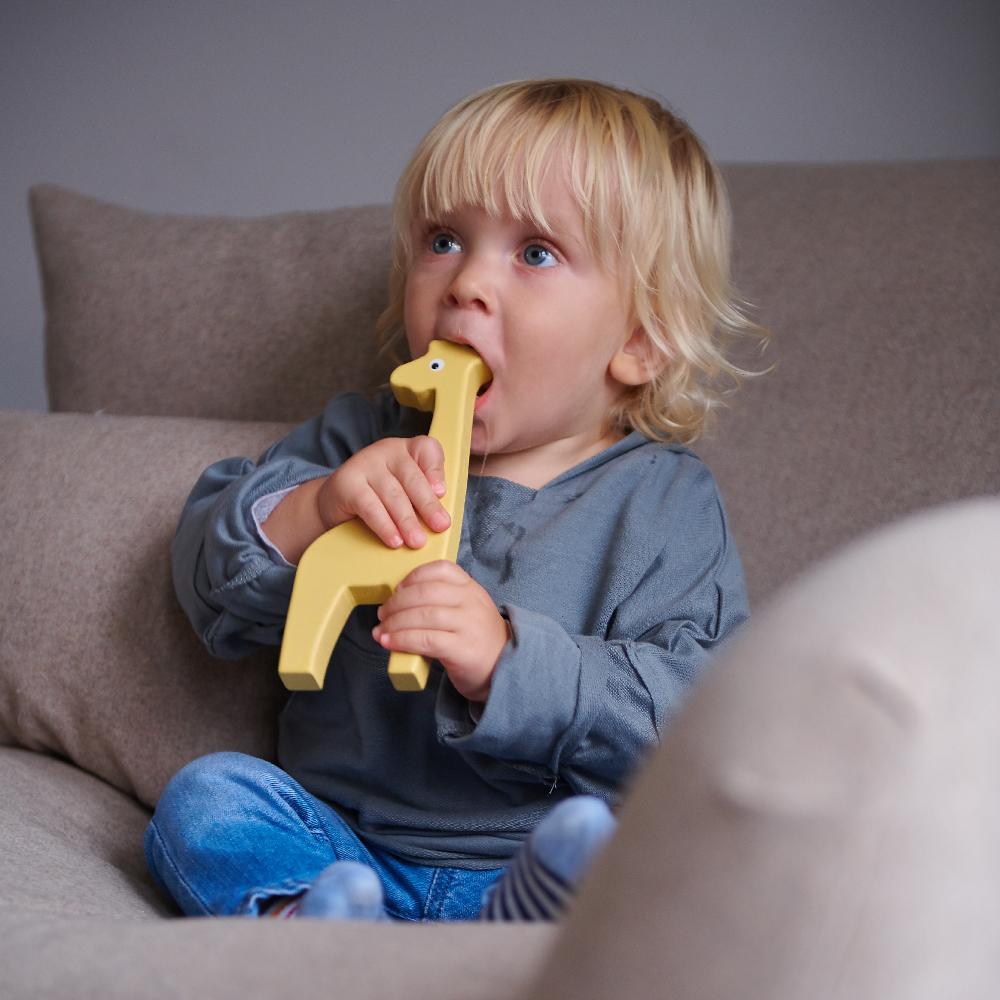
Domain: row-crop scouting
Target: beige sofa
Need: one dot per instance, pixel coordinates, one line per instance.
(743, 866)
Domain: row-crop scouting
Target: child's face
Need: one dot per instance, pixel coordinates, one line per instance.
(540, 310)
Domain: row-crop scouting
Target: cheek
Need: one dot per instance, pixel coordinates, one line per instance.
(423, 288)
(414, 317)
(409, 303)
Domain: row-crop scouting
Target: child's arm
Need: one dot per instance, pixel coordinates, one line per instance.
(234, 588)
(578, 710)
(584, 709)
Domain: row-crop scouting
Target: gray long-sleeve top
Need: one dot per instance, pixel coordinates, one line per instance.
(618, 579)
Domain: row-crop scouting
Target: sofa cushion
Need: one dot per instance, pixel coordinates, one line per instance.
(80, 916)
(98, 664)
(72, 844)
(241, 319)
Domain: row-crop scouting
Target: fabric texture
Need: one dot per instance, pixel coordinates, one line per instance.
(153, 959)
(97, 661)
(232, 834)
(69, 845)
(619, 579)
(278, 308)
(881, 284)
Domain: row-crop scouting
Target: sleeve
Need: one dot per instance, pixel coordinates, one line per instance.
(261, 511)
(583, 710)
(232, 585)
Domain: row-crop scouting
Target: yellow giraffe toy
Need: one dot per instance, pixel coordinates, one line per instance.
(349, 565)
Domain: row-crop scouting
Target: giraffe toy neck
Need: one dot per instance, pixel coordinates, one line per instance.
(452, 426)
(447, 377)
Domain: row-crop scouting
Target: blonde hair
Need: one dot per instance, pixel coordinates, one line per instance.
(655, 212)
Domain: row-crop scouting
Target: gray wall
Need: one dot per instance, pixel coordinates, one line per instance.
(253, 107)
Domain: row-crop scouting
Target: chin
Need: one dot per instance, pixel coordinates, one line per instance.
(480, 444)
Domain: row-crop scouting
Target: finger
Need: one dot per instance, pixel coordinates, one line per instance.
(435, 644)
(433, 594)
(429, 455)
(372, 511)
(397, 503)
(420, 490)
(442, 570)
(423, 617)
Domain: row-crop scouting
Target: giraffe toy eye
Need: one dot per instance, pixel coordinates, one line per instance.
(436, 365)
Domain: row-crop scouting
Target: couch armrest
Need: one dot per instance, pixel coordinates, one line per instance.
(822, 819)
(97, 662)
(234, 958)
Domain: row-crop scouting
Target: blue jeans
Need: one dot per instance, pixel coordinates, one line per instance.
(232, 833)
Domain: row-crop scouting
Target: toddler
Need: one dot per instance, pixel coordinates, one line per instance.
(577, 237)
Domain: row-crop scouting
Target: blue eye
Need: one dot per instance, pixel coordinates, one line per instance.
(442, 243)
(534, 255)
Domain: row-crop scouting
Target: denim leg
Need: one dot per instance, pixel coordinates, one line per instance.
(231, 832)
(431, 892)
(457, 893)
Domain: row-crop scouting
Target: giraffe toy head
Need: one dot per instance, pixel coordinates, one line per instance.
(453, 369)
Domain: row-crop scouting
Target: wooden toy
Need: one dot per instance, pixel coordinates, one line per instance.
(349, 565)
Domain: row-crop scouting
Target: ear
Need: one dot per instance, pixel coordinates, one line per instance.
(636, 362)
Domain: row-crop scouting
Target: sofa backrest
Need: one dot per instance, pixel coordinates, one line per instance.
(882, 286)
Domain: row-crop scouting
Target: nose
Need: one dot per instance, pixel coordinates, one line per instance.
(472, 286)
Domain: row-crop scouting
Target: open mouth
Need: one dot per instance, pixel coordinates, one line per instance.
(481, 393)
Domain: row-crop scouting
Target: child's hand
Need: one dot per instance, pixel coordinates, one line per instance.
(440, 612)
(388, 484)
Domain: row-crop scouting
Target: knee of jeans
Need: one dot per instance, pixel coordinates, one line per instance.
(202, 780)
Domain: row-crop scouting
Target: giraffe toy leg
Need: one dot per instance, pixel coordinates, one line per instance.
(321, 601)
(408, 671)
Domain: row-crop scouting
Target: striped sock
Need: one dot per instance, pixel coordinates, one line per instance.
(526, 891)
(542, 878)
